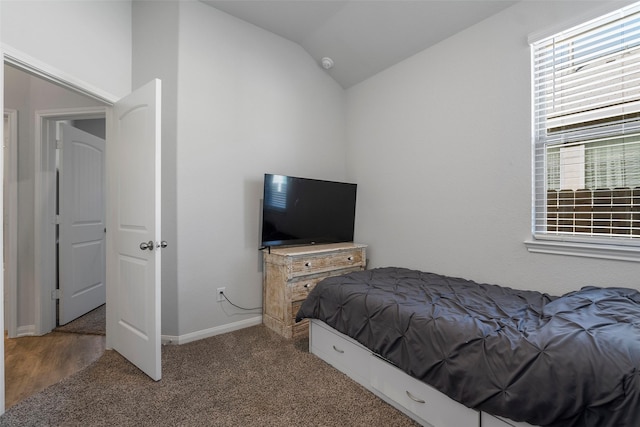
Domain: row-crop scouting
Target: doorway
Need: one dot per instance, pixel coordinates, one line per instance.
(34, 310)
(36, 314)
(73, 257)
(80, 213)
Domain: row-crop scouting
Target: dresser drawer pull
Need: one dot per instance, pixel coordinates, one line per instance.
(307, 264)
(307, 285)
(350, 258)
(338, 350)
(412, 397)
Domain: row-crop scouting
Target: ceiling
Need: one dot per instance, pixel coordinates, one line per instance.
(362, 37)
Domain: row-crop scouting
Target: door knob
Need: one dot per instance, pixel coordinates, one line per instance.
(162, 244)
(147, 245)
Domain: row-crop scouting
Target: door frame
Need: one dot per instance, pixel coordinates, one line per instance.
(10, 240)
(33, 66)
(45, 208)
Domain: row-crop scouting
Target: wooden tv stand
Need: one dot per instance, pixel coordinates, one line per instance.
(290, 273)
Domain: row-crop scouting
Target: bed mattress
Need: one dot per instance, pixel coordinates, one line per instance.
(572, 360)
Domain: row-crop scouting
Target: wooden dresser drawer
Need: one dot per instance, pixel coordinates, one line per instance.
(425, 402)
(299, 330)
(300, 287)
(312, 264)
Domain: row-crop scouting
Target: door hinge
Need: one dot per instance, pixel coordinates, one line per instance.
(57, 219)
(56, 294)
(58, 144)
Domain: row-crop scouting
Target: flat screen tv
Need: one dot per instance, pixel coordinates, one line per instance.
(303, 211)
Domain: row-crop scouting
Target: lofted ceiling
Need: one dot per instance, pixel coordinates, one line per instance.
(362, 37)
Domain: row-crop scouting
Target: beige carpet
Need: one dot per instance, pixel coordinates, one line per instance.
(251, 377)
(92, 323)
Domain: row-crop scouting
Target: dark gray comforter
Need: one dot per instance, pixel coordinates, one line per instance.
(572, 360)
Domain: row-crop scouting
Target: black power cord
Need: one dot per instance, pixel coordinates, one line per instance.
(237, 306)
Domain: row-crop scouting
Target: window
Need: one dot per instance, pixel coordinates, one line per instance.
(586, 93)
(276, 196)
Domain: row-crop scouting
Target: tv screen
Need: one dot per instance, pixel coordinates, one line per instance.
(303, 211)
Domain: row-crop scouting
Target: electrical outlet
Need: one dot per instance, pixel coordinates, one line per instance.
(220, 294)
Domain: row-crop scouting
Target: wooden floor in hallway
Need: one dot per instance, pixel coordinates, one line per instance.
(34, 363)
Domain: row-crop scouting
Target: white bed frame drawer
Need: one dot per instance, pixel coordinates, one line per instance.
(392, 384)
(340, 351)
(429, 405)
(488, 420)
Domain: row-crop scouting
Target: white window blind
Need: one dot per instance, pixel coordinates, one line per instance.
(276, 197)
(586, 92)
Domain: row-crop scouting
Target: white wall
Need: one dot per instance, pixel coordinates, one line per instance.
(155, 55)
(88, 40)
(249, 103)
(440, 148)
(17, 96)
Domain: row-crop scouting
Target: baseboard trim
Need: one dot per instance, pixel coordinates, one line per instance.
(206, 333)
(26, 331)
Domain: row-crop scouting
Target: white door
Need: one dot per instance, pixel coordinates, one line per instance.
(81, 242)
(133, 227)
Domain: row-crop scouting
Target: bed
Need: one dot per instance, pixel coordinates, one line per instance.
(572, 360)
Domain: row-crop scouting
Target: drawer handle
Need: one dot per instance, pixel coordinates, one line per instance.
(412, 397)
(307, 264)
(339, 351)
(307, 285)
(350, 258)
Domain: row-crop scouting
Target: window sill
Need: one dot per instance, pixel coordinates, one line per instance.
(587, 250)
